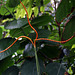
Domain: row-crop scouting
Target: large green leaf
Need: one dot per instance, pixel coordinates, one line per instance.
(4, 43)
(42, 33)
(16, 23)
(12, 3)
(48, 42)
(55, 69)
(42, 20)
(5, 63)
(35, 23)
(20, 31)
(14, 70)
(29, 67)
(63, 10)
(50, 51)
(39, 21)
(69, 29)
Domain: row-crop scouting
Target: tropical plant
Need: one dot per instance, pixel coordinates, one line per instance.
(37, 37)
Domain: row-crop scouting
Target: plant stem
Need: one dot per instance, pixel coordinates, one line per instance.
(37, 62)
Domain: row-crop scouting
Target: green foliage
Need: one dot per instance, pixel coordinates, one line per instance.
(29, 67)
(29, 50)
(5, 63)
(42, 33)
(4, 10)
(63, 10)
(4, 43)
(50, 51)
(42, 20)
(16, 23)
(69, 29)
(36, 11)
(52, 55)
(0, 33)
(12, 3)
(12, 70)
(54, 70)
(70, 43)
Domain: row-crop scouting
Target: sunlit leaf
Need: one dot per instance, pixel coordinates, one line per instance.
(36, 11)
(4, 10)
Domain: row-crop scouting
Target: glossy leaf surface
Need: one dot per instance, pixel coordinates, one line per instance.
(16, 23)
(4, 43)
(29, 67)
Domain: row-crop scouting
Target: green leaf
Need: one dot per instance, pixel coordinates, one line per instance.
(4, 43)
(48, 42)
(29, 10)
(12, 3)
(69, 29)
(29, 67)
(14, 70)
(20, 12)
(42, 33)
(63, 10)
(42, 8)
(4, 10)
(36, 11)
(0, 32)
(38, 2)
(70, 43)
(5, 63)
(54, 68)
(20, 31)
(16, 23)
(46, 1)
(50, 51)
(23, 43)
(42, 20)
(73, 3)
(29, 50)
(72, 55)
(31, 3)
